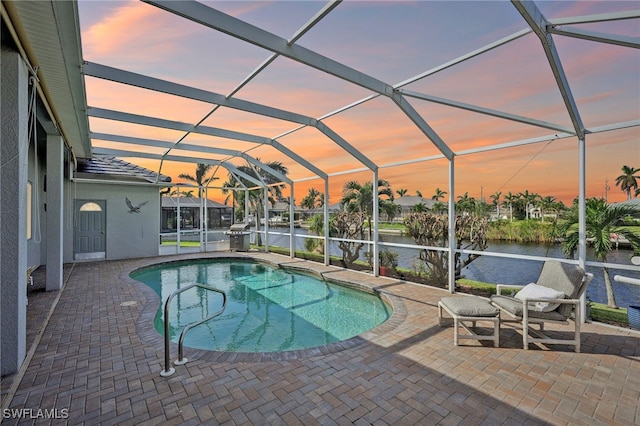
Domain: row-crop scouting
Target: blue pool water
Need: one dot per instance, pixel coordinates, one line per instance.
(268, 310)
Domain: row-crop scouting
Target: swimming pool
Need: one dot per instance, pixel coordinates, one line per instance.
(268, 309)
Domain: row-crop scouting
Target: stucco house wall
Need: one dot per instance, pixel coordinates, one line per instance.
(128, 234)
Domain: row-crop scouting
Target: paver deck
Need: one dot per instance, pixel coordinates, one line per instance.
(97, 360)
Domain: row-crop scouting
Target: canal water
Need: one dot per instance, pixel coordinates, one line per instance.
(502, 270)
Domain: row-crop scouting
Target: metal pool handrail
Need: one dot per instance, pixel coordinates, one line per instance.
(168, 370)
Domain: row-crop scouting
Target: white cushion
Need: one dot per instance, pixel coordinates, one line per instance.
(535, 291)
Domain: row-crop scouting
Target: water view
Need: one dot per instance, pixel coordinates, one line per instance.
(502, 270)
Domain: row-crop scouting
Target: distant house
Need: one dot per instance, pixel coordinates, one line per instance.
(409, 202)
(219, 216)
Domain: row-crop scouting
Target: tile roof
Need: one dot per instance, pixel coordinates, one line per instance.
(111, 168)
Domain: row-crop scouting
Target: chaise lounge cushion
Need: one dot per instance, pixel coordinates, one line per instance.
(466, 306)
(514, 307)
(535, 291)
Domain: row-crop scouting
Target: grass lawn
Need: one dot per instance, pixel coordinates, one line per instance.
(182, 243)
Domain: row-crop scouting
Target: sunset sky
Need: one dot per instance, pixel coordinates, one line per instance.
(393, 42)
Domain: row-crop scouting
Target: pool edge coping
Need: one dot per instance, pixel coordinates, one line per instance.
(149, 335)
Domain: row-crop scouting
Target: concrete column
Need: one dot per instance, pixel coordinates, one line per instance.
(14, 84)
(55, 204)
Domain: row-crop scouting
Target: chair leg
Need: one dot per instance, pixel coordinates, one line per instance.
(525, 329)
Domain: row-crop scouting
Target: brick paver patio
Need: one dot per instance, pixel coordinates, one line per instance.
(97, 360)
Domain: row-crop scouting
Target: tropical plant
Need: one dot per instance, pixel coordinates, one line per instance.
(602, 220)
(496, 201)
(313, 199)
(401, 192)
(359, 198)
(316, 227)
(438, 195)
(420, 207)
(528, 199)
(509, 201)
(200, 177)
(465, 203)
(628, 181)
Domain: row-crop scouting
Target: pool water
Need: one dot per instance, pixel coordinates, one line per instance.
(268, 309)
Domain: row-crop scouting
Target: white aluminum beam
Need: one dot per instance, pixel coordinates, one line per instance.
(237, 28)
(417, 119)
(204, 130)
(487, 111)
(136, 154)
(602, 17)
(536, 20)
(189, 147)
(618, 40)
(212, 18)
(163, 86)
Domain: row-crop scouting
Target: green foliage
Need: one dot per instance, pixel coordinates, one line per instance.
(430, 229)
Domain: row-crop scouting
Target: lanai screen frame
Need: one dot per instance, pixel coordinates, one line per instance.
(536, 23)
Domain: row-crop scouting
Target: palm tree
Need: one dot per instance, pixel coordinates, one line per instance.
(496, 202)
(466, 203)
(602, 221)
(356, 197)
(528, 199)
(628, 181)
(401, 192)
(313, 199)
(509, 200)
(546, 203)
(438, 195)
(200, 177)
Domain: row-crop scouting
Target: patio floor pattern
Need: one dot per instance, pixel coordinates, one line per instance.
(97, 360)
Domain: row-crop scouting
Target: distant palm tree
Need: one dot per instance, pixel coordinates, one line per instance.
(496, 201)
(418, 193)
(438, 195)
(527, 200)
(200, 178)
(401, 192)
(509, 200)
(466, 203)
(602, 221)
(313, 199)
(628, 181)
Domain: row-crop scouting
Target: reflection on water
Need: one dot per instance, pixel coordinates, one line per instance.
(509, 271)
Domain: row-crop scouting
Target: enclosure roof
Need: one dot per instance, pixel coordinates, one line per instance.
(175, 82)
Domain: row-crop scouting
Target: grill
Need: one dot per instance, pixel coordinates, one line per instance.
(238, 237)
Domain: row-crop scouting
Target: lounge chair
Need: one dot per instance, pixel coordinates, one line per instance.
(554, 298)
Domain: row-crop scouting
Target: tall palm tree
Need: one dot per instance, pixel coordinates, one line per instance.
(357, 197)
(628, 181)
(510, 200)
(602, 220)
(200, 177)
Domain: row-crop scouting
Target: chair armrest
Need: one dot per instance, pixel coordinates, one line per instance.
(500, 287)
(555, 301)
